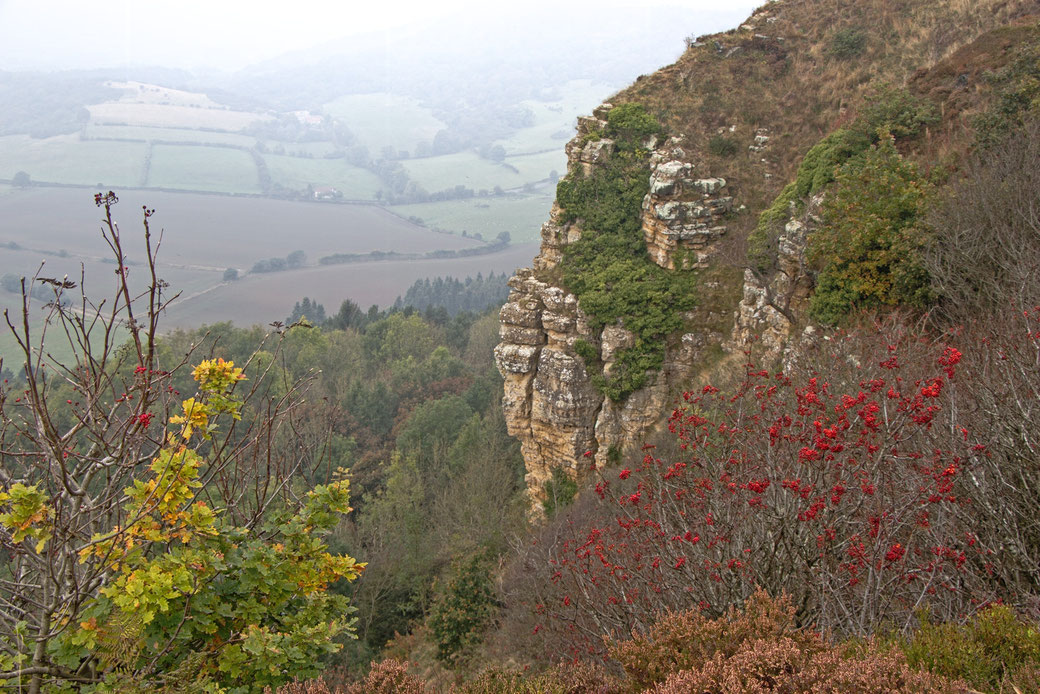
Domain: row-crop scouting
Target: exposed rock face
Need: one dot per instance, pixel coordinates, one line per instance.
(682, 212)
(774, 69)
(773, 304)
(550, 403)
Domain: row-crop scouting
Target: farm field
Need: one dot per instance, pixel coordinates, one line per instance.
(300, 149)
(117, 148)
(170, 116)
(151, 134)
(470, 170)
(67, 159)
(378, 120)
(297, 173)
(210, 232)
(261, 299)
(202, 235)
(145, 93)
(554, 119)
(520, 215)
(216, 169)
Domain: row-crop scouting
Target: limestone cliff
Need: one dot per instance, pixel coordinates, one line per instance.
(740, 109)
(550, 402)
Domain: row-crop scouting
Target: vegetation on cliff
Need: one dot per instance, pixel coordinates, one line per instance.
(608, 268)
(890, 113)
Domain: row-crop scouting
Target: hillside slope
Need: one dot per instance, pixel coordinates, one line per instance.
(644, 281)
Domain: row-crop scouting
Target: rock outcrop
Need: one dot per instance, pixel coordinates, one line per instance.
(774, 304)
(550, 402)
(752, 102)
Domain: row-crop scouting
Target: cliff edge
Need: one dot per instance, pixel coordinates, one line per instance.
(737, 112)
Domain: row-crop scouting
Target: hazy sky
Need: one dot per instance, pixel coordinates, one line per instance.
(230, 34)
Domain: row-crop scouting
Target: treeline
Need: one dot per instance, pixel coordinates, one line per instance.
(43, 105)
(500, 242)
(293, 261)
(454, 295)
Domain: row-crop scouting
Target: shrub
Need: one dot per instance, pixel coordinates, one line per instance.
(890, 111)
(631, 124)
(569, 678)
(463, 607)
(387, 677)
(317, 686)
(847, 43)
(169, 548)
(689, 640)
(870, 486)
(985, 252)
(722, 146)
(868, 244)
(894, 111)
(779, 665)
(560, 490)
(759, 648)
(588, 353)
(996, 651)
(817, 170)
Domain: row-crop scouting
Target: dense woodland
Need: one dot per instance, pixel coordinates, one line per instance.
(858, 516)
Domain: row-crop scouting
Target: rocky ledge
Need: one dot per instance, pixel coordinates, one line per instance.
(550, 402)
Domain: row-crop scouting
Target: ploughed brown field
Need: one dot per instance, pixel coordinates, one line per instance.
(203, 235)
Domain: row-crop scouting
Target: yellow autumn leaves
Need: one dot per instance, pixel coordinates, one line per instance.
(25, 514)
(216, 378)
(217, 375)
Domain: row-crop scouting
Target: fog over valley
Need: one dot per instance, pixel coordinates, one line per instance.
(542, 347)
(426, 132)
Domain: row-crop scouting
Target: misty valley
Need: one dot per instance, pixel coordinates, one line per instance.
(556, 349)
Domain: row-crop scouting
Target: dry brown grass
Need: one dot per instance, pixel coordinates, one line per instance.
(783, 75)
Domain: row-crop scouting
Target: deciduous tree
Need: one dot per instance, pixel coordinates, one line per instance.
(149, 540)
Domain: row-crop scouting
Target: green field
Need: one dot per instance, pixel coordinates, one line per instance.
(470, 170)
(520, 215)
(383, 119)
(136, 132)
(67, 159)
(297, 173)
(202, 168)
(554, 118)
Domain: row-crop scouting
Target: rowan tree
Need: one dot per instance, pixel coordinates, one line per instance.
(881, 473)
(151, 542)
